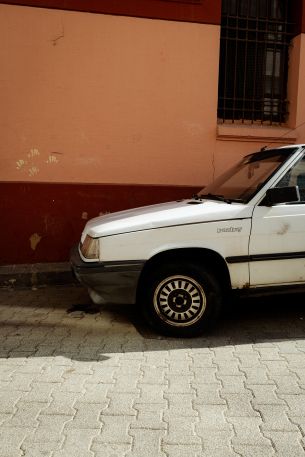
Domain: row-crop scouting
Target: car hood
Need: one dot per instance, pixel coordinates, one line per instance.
(164, 215)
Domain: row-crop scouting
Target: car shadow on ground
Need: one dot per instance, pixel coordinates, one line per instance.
(55, 322)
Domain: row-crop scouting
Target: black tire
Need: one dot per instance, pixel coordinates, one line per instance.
(181, 299)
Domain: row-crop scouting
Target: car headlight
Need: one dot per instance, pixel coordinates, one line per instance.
(90, 248)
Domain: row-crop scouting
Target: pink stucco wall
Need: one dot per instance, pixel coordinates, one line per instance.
(296, 87)
(96, 98)
(107, 99)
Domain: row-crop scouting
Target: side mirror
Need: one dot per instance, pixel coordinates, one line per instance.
(277, 195)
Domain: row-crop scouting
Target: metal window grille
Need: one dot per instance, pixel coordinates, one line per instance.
(254, 61)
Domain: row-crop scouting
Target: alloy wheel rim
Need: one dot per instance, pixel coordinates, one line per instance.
(179, 300)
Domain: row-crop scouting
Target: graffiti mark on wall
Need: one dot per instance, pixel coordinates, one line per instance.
(20, 164)
(33, 171)
(52, 159)
(33, 161)
(33, 153)
(34, 240)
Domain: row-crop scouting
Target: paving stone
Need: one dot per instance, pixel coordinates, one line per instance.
(257, 375)
(295, 360)
(249, 360)
(299, 422)
(232, 384)
(178, 367)
(224, 352)
(87, 416)
(178, 384)
(74, 383)
(296, 404)
(39, 450)
(180, 405)
(77, 443)
(8, 401)
(200, 360)
(217, 443)
(254, 451)
(101, 374)
(120, 404)
(211, 419)
(287, 384)
(247, 431)
(149, 416)
(11, 439)
(150, 393)
(286, 443)
(269, 353)
(205, 375)
(146, 442)
(61, 403)
(21, 383)
(126, 383)
(277, 367)
(111, 450)
(114, 431)
(275, 418)
(40, 392)
(154, 375)
(263, 395)
(239, 404)
(181, 431)
(300, 373)
(179, 450)
(231, 368)
(208, 394)
(25, 415)
(96, 393)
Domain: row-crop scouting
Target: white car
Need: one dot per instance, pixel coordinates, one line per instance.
(179, 261)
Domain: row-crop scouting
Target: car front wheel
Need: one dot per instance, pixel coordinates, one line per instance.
(181, 299)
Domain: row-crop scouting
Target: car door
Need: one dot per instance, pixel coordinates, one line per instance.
(277, 240)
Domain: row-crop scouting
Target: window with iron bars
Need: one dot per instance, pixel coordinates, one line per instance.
(253, 65)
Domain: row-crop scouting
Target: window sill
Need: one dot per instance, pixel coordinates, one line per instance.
(255, 133)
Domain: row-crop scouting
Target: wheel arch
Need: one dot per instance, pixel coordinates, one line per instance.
(205, 257)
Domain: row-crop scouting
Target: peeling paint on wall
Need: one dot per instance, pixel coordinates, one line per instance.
(34, 240)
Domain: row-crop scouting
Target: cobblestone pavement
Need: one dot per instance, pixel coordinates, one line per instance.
(75, 384)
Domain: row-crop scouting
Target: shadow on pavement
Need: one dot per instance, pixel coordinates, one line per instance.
(59, 321)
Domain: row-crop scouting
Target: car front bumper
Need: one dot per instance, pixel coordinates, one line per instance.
(113, 282)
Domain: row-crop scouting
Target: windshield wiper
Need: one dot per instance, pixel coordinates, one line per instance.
(220, 198)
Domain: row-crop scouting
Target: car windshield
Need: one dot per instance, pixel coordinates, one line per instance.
(241, 182)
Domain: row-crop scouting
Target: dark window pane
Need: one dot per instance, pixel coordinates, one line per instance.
(253, 61)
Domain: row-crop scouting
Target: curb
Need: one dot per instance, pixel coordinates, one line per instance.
(37, 274)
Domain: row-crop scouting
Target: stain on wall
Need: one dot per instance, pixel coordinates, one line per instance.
(34, 240)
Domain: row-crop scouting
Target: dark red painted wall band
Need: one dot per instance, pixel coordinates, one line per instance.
(41, 221)
(203, 11)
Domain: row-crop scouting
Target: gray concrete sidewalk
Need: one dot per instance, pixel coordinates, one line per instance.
(74, 384)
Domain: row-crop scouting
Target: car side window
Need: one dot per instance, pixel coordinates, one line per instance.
(295, 177)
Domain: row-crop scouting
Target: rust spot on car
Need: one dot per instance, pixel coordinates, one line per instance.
(284, 229)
